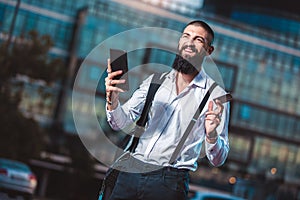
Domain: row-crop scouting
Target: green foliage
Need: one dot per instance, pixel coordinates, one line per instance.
(29, 56)
(21, 137)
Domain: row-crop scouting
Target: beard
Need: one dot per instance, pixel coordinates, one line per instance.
(186, 64)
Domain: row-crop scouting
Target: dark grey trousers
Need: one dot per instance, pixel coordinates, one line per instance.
(162, 184)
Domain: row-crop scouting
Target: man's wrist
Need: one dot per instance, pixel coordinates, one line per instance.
(112, 105)
(212, 137)
(109, 102)
(212, 140)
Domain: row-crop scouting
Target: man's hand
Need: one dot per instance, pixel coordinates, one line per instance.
(212, 121)
(112, 92)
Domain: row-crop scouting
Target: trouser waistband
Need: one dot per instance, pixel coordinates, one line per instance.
(133, 165)
(167, 170)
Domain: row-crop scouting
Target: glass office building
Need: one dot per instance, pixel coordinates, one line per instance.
(257, 55)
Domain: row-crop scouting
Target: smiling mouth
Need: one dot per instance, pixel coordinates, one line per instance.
(189, 51)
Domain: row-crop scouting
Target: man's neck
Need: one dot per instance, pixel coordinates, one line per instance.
(183, 80)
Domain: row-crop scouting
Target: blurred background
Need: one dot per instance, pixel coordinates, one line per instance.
(43, 44)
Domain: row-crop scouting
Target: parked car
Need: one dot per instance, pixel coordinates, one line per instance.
(214, 196)
(17, 177)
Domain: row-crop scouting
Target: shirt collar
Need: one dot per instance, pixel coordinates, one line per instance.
(172, 75)
(199, 80)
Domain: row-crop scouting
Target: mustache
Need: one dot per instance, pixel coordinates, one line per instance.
(192, 47)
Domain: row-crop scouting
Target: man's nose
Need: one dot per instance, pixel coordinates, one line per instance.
(190, 43)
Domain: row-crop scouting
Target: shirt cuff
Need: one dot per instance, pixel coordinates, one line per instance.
(213, 149)
(112, 115)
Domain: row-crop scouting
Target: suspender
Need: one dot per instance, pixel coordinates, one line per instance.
(133, 140)
(191, 124)
(155, 84)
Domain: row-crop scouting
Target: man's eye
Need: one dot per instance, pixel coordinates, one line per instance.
(200, 40)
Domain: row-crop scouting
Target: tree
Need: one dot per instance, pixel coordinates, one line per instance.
(21, 137)
(29, 56)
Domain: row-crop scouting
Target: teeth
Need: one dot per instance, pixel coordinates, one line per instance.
(189, 50)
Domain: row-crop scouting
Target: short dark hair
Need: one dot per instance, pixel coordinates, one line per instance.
(203, 25)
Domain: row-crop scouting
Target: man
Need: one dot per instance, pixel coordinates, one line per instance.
(172, 109)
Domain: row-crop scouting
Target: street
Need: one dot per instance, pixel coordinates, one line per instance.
(6, 196)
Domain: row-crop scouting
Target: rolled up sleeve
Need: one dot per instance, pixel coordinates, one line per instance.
(218, 152)
(125, 115)
(116, 118)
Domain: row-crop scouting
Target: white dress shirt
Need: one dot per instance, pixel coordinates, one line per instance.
(169, 116)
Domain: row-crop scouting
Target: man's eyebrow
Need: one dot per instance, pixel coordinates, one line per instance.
(199, 36)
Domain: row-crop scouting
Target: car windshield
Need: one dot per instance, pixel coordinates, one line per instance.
(13, 165)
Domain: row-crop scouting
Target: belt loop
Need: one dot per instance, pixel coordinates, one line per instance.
(165, 170)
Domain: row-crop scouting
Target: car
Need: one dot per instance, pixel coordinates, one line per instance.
(214, 196)
(16, 176)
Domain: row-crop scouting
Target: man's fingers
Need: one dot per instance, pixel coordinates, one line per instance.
(213, 118)
(219, 104)
(110, 82)
(214, 115)
(108, 66)
(210, 106)
(110, 85)
(112, 75)
(217, 111)
(220, 107)
(114, 89)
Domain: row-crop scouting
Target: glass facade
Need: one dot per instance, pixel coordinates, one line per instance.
(260, 66)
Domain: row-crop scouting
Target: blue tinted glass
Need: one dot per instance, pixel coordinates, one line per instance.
(245, 112)
(2, 9)
(30, 23)
(228, 75)
(94, 73)
(162, 57)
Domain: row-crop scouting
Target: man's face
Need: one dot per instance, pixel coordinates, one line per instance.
(194, 44)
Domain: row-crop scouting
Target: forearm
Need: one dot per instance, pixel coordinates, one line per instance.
(116, 118)
(120, 117)
(218, 152)
(217, 144)
(112, 101)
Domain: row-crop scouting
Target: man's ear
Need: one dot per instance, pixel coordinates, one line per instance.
(210, 49)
